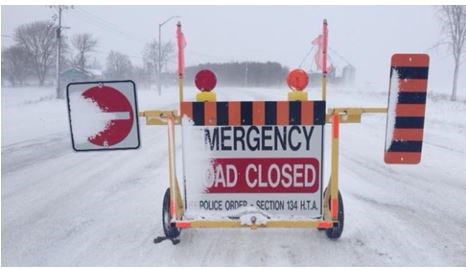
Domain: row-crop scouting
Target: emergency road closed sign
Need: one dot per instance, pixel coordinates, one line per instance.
(267, 160)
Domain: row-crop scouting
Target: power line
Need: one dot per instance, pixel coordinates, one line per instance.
(306, 56)
(110, 26)
(341, 57)
(103, 24)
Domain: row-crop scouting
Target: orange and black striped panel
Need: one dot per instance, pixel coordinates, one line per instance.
(406, 144)
(258, 113)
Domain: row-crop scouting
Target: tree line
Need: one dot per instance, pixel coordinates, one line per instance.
(33, 58)
(242, 74)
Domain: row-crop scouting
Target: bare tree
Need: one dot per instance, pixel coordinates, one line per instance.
(16, 62)
(119, 66)
(84, 44)
(141, 76)
(38, 38)
(151, 56)
(454, 25)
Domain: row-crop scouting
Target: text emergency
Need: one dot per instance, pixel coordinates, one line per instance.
(259, 138)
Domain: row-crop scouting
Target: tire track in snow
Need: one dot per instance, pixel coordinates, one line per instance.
(20, 155)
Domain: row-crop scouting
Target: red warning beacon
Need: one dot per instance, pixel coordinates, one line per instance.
(205, 81)
(297, 81)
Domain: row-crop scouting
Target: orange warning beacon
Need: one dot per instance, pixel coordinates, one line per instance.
(297, 81)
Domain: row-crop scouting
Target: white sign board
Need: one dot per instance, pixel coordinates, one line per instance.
(103, 115)
(273, 169)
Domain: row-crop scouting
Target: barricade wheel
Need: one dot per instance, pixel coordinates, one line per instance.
(170, 230)
(337, 229)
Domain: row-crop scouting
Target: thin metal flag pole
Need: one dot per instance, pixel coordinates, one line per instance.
(324, 60)
(181, 44)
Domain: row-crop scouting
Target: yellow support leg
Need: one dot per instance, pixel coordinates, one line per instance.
(176, 203)
(180, 92)
(179, 201)
(334, 176)
(326, 212)
(324, 87)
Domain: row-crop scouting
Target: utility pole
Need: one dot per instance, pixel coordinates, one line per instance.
(59, 92)
(59, 9)
(159, 62)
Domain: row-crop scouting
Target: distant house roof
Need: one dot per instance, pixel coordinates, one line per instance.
(95, 72)
(76, 75)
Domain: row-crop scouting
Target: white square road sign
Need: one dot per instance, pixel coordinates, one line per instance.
(253, 156)
(103, 115)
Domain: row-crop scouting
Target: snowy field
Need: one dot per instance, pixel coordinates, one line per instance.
(62, 208)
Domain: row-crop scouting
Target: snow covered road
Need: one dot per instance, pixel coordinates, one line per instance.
(62, 208)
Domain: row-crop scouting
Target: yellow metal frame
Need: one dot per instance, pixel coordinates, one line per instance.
(229, 223)
(351, 114)
(159, 117)
(335, 116)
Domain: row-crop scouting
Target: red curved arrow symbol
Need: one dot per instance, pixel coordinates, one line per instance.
(111, 101)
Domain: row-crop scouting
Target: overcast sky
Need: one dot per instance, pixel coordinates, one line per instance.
(366, 36)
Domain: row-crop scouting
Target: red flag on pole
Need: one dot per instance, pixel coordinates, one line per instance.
(321, 55)
(181, 45)
(318, 41)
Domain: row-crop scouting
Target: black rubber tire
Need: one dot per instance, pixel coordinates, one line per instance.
(337, 229)
(170, 230)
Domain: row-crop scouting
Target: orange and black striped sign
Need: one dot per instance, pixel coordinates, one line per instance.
(406, 144)
(236, 113)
